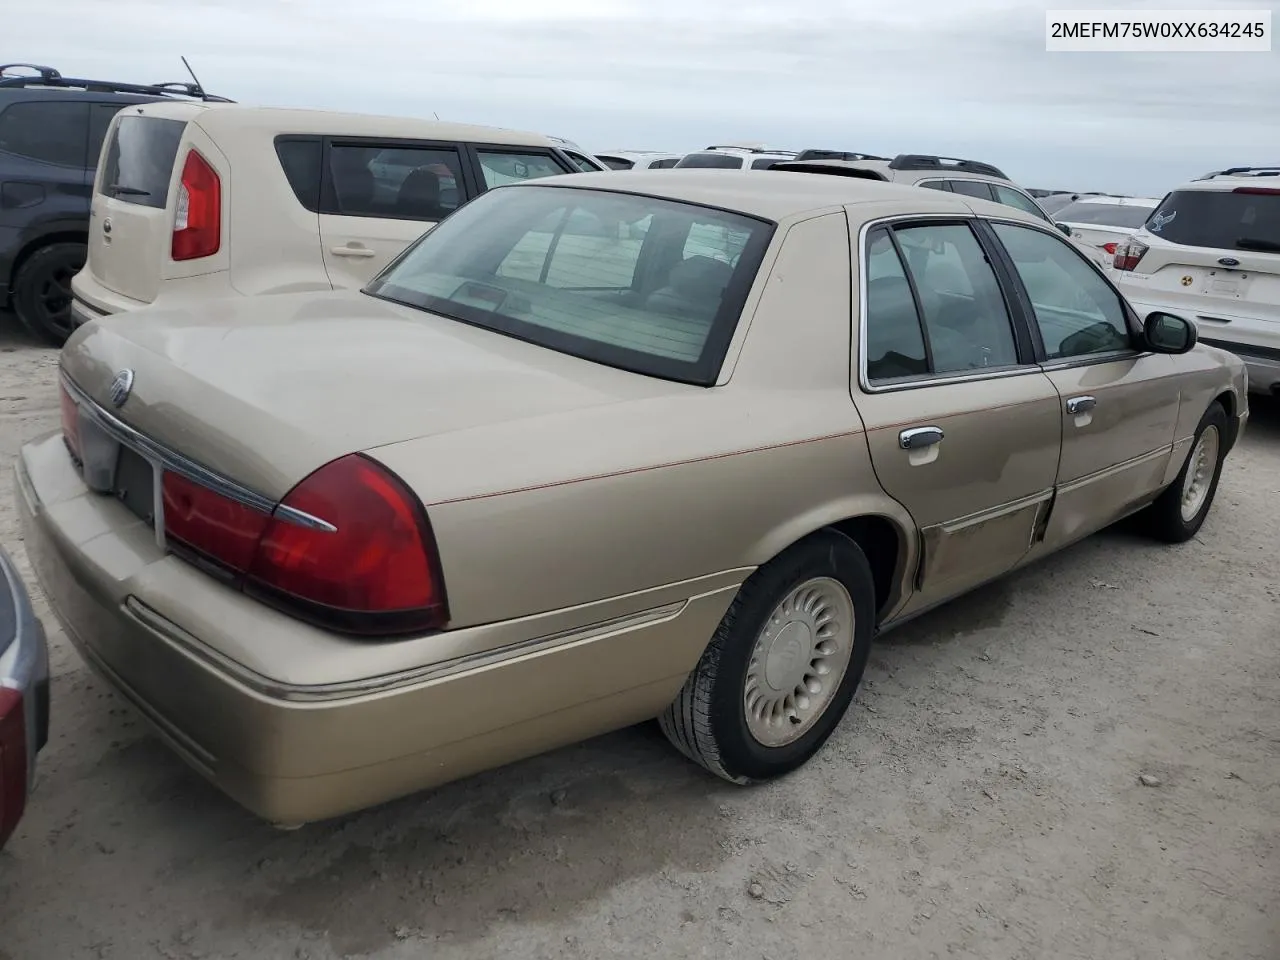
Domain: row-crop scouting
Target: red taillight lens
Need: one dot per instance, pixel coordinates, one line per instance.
(368, 565)
(211, 524)
(1128, 253)
(1110, 248)
(70, 420)
(197, 223)
(13, 761)
(379, 560)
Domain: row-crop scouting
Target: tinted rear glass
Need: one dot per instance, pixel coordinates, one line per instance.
(300, 160)
(1216, 218)
(139, 160)
(617, 163)
(1104, 214)
(722, 161)
(648, 285)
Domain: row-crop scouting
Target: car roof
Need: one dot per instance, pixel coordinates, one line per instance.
(63, 94)
(1235, 177)
(899, 174)
(777, 195)
(215, 117)
(1115, 201)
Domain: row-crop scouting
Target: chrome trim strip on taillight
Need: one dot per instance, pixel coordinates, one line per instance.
(164, 458)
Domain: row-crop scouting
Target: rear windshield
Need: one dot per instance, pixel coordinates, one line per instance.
(1104, 214)
(139, 160)
(1236, 220)
(725, 161)
(649, 285)
(617, 163)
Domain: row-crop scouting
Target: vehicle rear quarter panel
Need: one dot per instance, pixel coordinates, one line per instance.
(1207, 374)
(582, 506)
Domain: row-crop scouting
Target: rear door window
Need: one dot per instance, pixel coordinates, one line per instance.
(139, 161)
(50, 131)
(1014, 198)
(972, 188)
(1247, 218)
(500, 167)
(394, 182)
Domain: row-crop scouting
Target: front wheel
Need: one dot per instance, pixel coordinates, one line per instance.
(1178, 513)
(782, 666)
(42, 290)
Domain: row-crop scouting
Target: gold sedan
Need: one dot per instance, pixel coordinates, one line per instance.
(593, 451)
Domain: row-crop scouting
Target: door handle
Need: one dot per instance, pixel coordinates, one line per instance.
(1081, 404)
(917, 438)
(351, 251)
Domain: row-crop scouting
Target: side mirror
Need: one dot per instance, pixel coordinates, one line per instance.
(1064, 228)
(1166, 333)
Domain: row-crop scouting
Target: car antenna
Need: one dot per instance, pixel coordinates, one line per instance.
(196, 79)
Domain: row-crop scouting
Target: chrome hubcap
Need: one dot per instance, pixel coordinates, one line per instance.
(798, 661)
(1200, 467)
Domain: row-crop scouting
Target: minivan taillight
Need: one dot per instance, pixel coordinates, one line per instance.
(197, 223)
(1128, 253)
(13, 761)
(70, 421)
(366, 564)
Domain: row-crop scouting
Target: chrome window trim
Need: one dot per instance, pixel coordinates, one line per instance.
(162, 458)
(927, 380)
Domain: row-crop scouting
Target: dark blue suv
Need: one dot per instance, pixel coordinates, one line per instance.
(51, 131)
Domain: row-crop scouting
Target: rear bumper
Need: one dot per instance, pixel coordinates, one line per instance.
(1262, 361)
(292, 749)
(24, 671)
(90, 299)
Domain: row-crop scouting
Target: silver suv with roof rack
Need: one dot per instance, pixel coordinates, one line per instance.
(971, 178)
(1211, 251)
(735, 157)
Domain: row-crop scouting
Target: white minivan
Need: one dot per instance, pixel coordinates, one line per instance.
(200, 200)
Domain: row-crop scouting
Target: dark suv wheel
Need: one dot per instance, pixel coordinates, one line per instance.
(42, 290)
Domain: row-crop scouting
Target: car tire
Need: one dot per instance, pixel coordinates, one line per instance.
(42, 290)
(1178, 513)
(811, 609)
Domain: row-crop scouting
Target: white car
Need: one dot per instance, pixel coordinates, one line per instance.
(1211, 252)
(734, 157)
(200, 200)
(584, 161)
(1098, 223)
(639, 159)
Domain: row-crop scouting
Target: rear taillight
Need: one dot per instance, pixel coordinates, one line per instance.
(70, 421)
(1110, 248)
(1128, 253)
(349, 548)
(197, 223)
(13, 761)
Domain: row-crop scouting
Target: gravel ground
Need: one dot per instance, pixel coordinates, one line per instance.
(982, 799)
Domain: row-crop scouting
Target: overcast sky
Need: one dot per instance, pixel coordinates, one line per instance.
(965, 78)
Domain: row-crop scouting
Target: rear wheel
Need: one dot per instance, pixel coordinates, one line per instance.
(1178, 513)
(783, 665)
(42, 290)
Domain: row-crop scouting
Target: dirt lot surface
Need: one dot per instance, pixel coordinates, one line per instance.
(982, 798)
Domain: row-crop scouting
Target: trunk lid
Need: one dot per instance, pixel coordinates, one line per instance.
(134, 197)
(265, 389)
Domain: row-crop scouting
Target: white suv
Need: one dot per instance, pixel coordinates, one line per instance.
(971, 178)
(1211, 252)
(199, 200)
(733, 157)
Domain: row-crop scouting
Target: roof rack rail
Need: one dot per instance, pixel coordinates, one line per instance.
(49, 77)
(1269, 170)
(819, 153)
(921, 161)
(749, 148)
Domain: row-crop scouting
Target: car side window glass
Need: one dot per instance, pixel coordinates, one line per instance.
(894, 341)
(664, 164)
(966, 319)
(972, 188)
(50, 131)
(502, 167)
(933, 185)
(100, 117)
(1077, 312)
(581, 162)
(1014, 198)
(396, 183)
(301, 161)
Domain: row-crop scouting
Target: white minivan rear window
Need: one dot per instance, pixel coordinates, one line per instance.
(138, 164)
